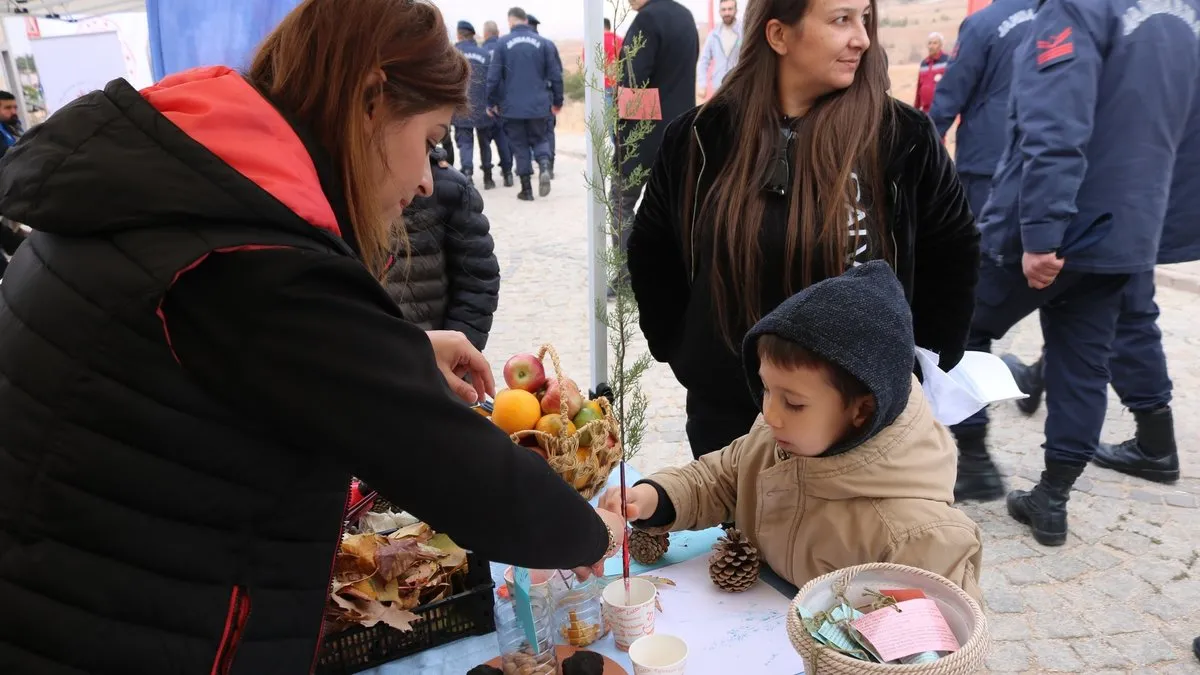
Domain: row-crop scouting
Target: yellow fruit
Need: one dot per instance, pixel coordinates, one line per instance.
(552, 425)
(516, 410)
(594, 406)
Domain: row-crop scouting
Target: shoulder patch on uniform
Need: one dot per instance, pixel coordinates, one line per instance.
(1058, 48)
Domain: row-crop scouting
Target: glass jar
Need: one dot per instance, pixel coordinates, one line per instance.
(517, 656)
(579, 619)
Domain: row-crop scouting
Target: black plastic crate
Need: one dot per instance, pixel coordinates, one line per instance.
(466, 613)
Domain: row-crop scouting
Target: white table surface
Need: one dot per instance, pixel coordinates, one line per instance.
(704, 620)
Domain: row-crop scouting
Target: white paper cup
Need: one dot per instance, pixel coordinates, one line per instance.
(658, 655)
(633, 619)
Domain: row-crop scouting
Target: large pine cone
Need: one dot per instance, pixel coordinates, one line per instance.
(648, 548)
(734, 564)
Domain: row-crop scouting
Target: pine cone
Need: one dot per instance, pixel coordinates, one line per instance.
(734, 564)
(648, 548)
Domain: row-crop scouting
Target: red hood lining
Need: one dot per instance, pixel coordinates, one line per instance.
(220, 110)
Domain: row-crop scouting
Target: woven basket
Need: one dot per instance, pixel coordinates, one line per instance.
(586, 467)
(961, 611)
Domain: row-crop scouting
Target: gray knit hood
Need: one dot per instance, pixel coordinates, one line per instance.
(860, 321)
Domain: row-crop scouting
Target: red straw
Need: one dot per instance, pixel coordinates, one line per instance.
(624, 536)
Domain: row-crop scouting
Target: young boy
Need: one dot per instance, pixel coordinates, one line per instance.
(846, 465)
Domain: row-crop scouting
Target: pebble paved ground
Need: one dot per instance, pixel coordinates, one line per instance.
(1123, 596)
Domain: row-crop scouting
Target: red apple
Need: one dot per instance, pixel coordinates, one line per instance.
(556, 388)
(524, 371)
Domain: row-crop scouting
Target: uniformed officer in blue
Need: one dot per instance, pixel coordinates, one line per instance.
(521, 67)
(975, 87)
(1101, 94)
(474, 121)
(491, 36)
(1139, 364)
(552, 120)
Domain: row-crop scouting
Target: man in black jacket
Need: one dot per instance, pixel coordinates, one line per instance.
(666, 62)
(451, 278)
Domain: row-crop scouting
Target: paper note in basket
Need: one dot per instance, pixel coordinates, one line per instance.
(830, 630)
(907, 628)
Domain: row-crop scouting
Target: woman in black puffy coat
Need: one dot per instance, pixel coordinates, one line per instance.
(451, 279)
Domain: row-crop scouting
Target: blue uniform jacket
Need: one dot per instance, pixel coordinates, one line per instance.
(521, 67)
(1102, 90)
(489, 45)
(1181, 227)
(479, 60)
(976, 83)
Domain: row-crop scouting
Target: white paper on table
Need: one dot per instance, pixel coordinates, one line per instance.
(979, 378)
(726, 632)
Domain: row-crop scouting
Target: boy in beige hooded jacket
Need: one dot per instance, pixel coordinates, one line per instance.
(846, 465)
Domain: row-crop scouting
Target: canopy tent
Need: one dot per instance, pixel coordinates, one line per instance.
(69, 9)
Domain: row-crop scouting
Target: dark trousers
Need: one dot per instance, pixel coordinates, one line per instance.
(625, 202)
(528, 141)
(465, 138)
(551, 123)
(1139, 364)
(503, 151)
(1079, 314)
(977, 187)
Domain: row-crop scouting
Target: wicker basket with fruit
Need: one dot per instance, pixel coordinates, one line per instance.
(579, 438)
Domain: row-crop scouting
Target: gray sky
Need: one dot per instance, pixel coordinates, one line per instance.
(560, 20)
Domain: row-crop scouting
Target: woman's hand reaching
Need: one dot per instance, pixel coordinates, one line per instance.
(457, 358)
(615, 525)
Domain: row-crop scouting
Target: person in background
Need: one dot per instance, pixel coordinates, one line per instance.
(475, 120)
(447, 276)
(720, 50)
(552, 120)
(800, 167)
(846, 465)
(1076, 215)
(525, 86)
(491, 35)
(1138, 366)
(198, 354)
(10, 120)
(933, 66)
(666, 63)
(975, 90)
(612, 50)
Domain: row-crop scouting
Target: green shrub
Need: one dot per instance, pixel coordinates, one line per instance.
(574, 86)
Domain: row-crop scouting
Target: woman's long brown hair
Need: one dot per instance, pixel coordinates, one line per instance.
(839, 136)
(318, 66)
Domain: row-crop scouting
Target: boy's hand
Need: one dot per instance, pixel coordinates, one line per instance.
(641, 501)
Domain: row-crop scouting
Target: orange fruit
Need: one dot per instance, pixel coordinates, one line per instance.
(516, 410)
(594, 406)
(552, 424)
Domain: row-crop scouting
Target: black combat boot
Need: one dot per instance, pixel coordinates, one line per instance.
(551, 169)
(1151, 453)
(488, 182)
(508, 180)
(1030, 380)
(978, 479)
(1044, 508)
(543, 177)
(526, 193)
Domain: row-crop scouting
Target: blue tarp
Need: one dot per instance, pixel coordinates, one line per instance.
(189, 33)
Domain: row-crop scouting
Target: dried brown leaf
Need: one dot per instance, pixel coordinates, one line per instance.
(418, 531)
(452, 556)
(397, 556)
(408, 598)
(421, 574)
(386, 591)
(397, 618)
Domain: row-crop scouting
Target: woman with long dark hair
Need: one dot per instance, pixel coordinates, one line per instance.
(799, 167)
(196, 353)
